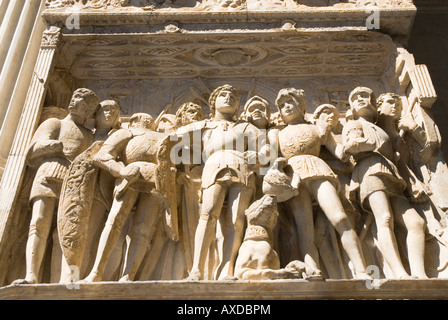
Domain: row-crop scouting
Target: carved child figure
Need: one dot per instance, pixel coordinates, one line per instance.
(55, 144)
(257, 259)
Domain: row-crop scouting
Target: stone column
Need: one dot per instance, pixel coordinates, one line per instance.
(16, 75)
(15, 166)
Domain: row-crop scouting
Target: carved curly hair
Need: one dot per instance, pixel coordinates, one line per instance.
(214, 95)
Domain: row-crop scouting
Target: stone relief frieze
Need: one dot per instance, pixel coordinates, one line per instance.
(309, 194)
(222, 5)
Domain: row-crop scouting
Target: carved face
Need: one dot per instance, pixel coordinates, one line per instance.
(329, 117)
(83, 105)
(361, 104)
(78, 106)
(107, 116)
(258, 113)
(391, 107)
(290, 110)
(142, 121)
(191, 114)
(226, 102)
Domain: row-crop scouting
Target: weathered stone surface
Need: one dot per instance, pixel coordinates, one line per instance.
(175, 189)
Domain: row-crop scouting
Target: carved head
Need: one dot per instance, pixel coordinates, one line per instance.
(141, 120)
(389, 105)
(363, 103)
(263, 212)
(291, 103)
(187, 113)
(83, 104)
(224, 100)
(327, 114)
(257, 111)
(108, 115)
(166, 123)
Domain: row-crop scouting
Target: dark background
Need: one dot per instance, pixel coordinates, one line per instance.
(428, 43)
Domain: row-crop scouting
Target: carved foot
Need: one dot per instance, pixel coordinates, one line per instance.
(362, 276)
(195, 275)
(23, 281)
(92, 277)
(230, 278)
(125, 278)
(408, 277)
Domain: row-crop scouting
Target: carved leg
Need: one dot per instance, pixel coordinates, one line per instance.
(42, 216)
(328, 198)
(118, 215)
(408, 217)
(143, 228)
(97, 221)
(213, 199)
(302, 208)
(238, 201)
(382, 211)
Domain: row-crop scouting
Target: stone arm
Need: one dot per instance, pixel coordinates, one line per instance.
(335, 147)
(353, 140)
(108, 158)
(45, 143)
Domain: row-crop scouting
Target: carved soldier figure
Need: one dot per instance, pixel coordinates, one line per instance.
(86, 190)
(299, 143)
(227, 175)
(55, 144)
(257, 111)
(187, 113)
(132, 156)
(380, 185)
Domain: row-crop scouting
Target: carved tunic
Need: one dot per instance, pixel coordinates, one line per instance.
(301, 144)
(53, 167)
(374, 171)
(135, 146)
(226, 143)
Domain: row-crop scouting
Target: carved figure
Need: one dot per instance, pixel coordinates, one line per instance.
(55, 145)
(85, 190)
(326, 118)
(380, 185)
(257, 111)
(189, 115)
(227, 175)
(299, 143)
(257, 259)
(134, 157)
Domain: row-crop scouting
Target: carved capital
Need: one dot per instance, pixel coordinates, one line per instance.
(51, 37)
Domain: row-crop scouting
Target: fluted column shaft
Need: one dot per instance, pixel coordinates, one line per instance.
(15, 166)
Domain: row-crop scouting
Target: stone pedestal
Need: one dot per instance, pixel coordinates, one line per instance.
(229, 290)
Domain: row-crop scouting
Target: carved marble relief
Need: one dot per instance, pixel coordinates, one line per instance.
(206, 209)
(222, 5)
(188, 154)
